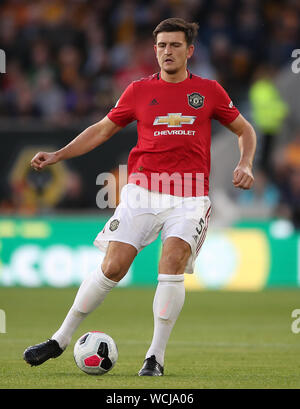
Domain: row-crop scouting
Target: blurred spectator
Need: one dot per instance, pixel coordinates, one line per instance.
(283, 35)
(49, 96)
(249, 29)
(289, 206)
(268, 111)
(288, 179)
(292, 153)
(74, 196)
(40, 58)
(141, 64)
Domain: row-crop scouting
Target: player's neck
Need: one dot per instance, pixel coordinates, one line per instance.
(176, 77)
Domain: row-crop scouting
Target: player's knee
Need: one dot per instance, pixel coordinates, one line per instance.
(174, 262)
(113, 269)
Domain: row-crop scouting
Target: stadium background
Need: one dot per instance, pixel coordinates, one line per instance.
(67, 62)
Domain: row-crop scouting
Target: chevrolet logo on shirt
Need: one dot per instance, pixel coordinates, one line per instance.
(176, 120)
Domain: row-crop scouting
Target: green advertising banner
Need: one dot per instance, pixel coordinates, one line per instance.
(249, 256)
(59, 252)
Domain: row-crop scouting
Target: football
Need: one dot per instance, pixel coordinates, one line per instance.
(95, 353)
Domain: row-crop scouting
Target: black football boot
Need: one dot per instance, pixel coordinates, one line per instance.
(151, 367)
(38, 354)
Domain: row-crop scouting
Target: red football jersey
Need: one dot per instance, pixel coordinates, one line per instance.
(172, 154)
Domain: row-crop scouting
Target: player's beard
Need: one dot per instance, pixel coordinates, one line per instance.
(171, 71)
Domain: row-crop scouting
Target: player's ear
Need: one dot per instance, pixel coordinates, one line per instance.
(190, 51)
(155, 49)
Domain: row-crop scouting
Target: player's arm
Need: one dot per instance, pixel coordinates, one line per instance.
(242, 174)
(86, 141)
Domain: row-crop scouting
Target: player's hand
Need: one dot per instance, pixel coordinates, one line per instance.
(43, 159)
(243, 177)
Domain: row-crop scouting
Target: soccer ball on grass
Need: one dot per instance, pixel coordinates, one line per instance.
(95, 353)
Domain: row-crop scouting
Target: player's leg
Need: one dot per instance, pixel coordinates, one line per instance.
(183, 234)
(95, 287)
(168, 302)
(91, 294)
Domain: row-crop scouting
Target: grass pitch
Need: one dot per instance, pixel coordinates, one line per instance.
(221, 340)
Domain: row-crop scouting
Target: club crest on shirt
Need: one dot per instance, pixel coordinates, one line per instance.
(196, 100)
(114, 224)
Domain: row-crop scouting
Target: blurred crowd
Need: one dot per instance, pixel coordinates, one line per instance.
(68, 61)
(71, 59)
(276, 191)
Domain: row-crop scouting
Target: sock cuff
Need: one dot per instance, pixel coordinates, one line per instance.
(170, 277)
(100, 277)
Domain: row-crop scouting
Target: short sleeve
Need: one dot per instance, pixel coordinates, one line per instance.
(224, 110)
(124, 111)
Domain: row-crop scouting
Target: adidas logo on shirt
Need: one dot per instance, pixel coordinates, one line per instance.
(153, 102)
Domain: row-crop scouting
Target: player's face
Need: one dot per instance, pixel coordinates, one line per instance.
(172, 51)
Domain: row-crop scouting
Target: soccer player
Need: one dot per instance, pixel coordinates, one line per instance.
(168, 170)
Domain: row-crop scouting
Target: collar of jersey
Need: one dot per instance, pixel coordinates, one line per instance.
(189, 76)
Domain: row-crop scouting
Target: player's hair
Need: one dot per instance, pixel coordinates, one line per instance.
(178, 24)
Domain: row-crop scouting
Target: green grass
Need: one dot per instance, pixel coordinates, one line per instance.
(221, 340)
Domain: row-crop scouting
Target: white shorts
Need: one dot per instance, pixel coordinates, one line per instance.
(142, 215)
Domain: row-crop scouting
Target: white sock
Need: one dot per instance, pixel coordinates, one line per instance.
(90, 295)
(167, 304)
